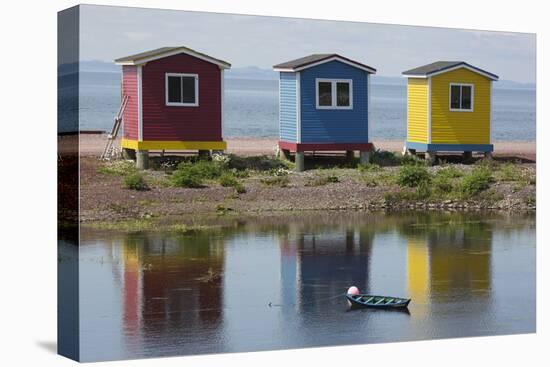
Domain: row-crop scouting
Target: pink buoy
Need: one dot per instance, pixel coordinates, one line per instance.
(353, 290)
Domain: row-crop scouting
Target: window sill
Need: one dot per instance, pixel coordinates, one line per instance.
(459, 110)
(182, 104)
(334, 108)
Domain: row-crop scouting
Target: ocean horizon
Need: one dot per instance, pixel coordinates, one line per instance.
(251, 105)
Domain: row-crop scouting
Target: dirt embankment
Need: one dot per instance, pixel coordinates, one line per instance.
(103, 196)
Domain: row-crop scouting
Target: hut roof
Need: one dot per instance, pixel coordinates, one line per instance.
(159, 53)
(439, 67)
(316, 59)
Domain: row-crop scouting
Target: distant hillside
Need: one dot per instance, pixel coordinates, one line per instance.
(256, 73)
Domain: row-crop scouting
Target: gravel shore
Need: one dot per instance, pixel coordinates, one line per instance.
(92, 145)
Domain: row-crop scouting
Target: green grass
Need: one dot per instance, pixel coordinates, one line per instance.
(135, 181)
(382, 178)
(117, 168)
(369, 167)
(510, 172)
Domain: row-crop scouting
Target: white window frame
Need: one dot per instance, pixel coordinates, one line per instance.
(334, 105)
(471, 109)
(181, 104)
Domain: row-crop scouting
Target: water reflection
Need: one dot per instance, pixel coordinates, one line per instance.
(152, 294)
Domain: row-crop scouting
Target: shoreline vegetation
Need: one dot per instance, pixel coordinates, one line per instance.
(114, 193)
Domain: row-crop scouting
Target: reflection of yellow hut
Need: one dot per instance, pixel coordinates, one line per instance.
(418, 271)
(445, 261)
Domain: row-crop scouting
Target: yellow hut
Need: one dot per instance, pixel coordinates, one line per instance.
(449, 109)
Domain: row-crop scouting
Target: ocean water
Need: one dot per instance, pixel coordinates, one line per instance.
(251, 108)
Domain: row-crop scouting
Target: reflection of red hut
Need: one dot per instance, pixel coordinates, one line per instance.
(132, 293)
(173, 99)
(172, 285)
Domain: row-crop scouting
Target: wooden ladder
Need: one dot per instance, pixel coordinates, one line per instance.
(109, 149)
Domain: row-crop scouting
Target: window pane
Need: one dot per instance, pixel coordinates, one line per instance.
(188, 83)
(466, 97)
(174, 89)
(342, 94)
(325, 94)
(455, 96)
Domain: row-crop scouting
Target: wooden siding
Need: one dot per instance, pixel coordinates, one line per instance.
(417, 110)
(287, 106)
(452, 127)
(178, 123)
(334, 126)
(129, 88)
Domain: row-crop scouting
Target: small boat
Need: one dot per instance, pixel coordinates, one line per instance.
(367, 300)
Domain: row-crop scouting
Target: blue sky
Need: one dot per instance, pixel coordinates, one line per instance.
(111, 32)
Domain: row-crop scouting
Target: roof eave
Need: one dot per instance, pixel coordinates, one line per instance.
(220, 63)
(414, 76)
(446, 70)
(329, 59)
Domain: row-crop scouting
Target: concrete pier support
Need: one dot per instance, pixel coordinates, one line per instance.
(350, 154)
(467, 156)
(142, 159)
(429, 157)
(299, 162)
(488, 155)
(204, 154)
(364, 157)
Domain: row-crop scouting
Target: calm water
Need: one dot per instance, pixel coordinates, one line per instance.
(251, 108)
(162, 294)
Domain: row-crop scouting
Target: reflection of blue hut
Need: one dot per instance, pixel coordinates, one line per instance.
(315, 266)
(324, 106)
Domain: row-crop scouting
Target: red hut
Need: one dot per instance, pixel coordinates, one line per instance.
(173, 99)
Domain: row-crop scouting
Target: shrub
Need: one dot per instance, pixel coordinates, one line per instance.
(412, 160)
(135, 181)
(185, 178)
(423, 190)
(450, 172)
(412, 176)
(239, 188)
(257, 163)
(476, 181)
(206, 170)
(228, 180)
(384, 158)
(442, 184)
(281, 181)
(322, 180)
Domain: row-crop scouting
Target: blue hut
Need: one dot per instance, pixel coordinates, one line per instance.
(324, 106)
